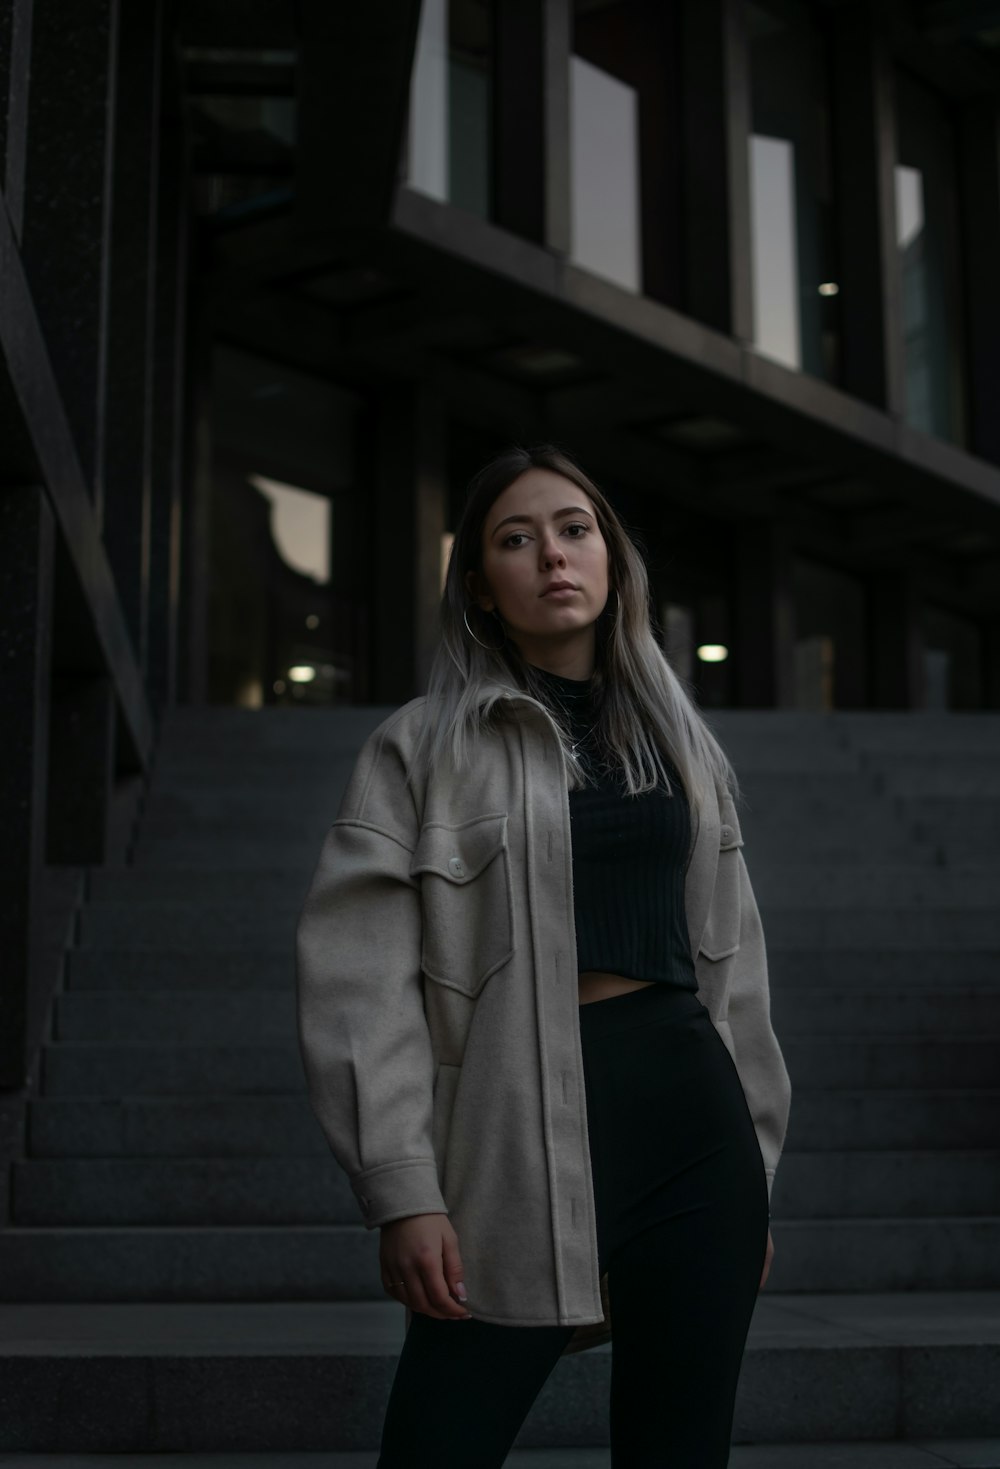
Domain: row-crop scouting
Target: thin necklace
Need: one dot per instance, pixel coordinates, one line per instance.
(558, 696)
(575, 745)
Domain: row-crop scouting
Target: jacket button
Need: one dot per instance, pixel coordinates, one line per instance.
(456, 867)
(727, 832)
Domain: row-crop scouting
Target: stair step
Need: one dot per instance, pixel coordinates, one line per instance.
(950, 735)
(918, 1118)
(239, 923)
(236, 922)
(184, 1191)
(286, 825)
(340, 1261)
(210, 1191)
(953, 845)
(311, 1375)
(246, 853)
(802, 966)
(114, 1071)
(879, 1183)
(211, 1127)
(795, 969)
(890, 929)
(864, 885)
(167, 1182)
(781, 884)
(222, 724)
(256, 850)
(956, 1453)
(268, 1015)
(251, 801)
(945, 814)
(81, 1069)
(220, 925)
(938, 1012)
(173, 968)
(134, 885)
(898, 1061)
(221, 1127)
(973, 776)
(242, 1017)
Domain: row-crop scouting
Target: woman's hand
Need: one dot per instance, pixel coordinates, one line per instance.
(768, 1256)
(421, 1251)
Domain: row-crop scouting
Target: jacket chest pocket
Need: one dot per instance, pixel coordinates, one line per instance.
(722, 931)
(466, 900)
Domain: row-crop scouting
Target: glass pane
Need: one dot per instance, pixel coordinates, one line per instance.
(928, 255)
(775, 262)
(795, 284)
(449, 144)
(953, 659)
(244, 121)
(604, 174)
(300, 526)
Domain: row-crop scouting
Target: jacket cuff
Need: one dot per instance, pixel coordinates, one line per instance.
(394, 1190)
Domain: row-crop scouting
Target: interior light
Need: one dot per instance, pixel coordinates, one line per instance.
(829, 288)
(713, 652)
(302, 673)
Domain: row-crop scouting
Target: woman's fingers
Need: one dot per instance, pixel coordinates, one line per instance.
(439, 1299)
(423, 1290)
(421, 1251)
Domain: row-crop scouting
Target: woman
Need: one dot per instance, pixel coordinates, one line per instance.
(533, 1002)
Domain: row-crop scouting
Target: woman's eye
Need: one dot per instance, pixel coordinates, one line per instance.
(574, 525)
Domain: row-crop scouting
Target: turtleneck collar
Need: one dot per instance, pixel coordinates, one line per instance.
(564, 684)
(575, 696)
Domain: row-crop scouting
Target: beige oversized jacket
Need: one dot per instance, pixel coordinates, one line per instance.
(438, 1009)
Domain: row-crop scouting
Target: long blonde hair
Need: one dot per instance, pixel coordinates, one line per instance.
(645, 707)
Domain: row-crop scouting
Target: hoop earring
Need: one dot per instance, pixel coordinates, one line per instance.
(491, 648)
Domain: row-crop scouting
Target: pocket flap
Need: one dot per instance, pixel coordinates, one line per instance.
(460, 853)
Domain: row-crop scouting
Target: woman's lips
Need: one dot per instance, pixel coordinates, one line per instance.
(562, 592)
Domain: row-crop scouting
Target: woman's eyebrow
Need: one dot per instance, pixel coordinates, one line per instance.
(569, 510)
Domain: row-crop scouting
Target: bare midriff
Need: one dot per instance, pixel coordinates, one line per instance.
(597, 984)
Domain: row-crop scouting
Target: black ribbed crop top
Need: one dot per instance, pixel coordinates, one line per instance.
(630, 856)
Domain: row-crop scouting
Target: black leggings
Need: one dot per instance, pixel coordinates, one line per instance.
(682, 1220)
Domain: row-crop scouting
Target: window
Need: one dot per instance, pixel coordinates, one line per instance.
(449, 146)
(604, 175)
(928, 255)
(794, 268)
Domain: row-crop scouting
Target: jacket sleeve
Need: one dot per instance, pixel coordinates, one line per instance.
(759, 1061)
(362, 1030)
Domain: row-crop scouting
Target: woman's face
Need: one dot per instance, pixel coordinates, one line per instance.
(542, 529)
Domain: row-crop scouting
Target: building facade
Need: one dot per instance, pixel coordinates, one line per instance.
(278, 277)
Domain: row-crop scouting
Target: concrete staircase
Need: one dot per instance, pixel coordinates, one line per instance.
(185, 1270)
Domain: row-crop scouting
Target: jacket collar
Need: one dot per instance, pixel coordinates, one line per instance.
(704, 861)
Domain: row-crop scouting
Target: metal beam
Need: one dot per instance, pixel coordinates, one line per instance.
(353, 100)
(446, 251)
(39, 445)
